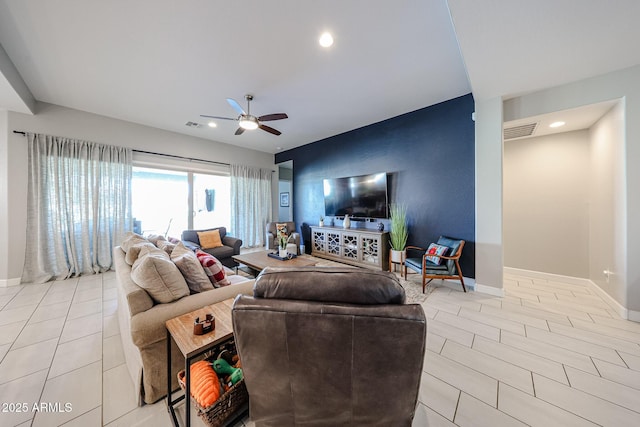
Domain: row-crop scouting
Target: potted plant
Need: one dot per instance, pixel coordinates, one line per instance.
(282, 244)
(399, 231)
(321, 223)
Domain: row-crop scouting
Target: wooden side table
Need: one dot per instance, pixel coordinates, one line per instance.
(180, 329)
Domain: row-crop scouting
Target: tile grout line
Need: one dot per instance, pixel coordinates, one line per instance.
(46, 379)
(101, 354)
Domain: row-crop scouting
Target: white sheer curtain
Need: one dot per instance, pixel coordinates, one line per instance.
(250, 204)
(78, 208)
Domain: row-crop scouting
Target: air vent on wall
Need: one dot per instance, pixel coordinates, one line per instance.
(520, 131)
(193, 124)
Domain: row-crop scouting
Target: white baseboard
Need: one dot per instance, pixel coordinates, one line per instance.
(4, 283)
(611, 302)
(548, 276)
(615, 305)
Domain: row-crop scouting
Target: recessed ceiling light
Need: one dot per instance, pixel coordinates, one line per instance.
(212, 124)
(556, 124)
(326, 40)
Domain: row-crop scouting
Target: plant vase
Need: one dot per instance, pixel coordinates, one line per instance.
(399, 232)
(398, 257)
(347, 222)
(282, 253)
(321, 223)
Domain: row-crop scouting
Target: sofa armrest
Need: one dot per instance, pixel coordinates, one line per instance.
(191, 245)
(149, 327)
(233, 242)
(295, 238)
(271, 241)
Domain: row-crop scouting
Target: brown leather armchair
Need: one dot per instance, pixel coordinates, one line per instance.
(328, 347)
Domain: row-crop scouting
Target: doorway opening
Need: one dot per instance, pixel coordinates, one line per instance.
(285, 191)
(563, 188)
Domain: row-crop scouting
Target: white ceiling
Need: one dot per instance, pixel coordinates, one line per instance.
(574, 119)
(162, 63)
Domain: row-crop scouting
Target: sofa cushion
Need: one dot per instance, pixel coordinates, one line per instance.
(213, 268)
(166, 246)
(223, 252)
(191, 269)
(137, 299)
(134, 251)
(192, 235)
(131, 239)
(158, 275)
(155, 238)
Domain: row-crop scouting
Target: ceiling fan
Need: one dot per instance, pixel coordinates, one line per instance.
(248, 122)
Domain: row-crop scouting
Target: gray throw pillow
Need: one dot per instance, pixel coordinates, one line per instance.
(191, 269)
(158, 275)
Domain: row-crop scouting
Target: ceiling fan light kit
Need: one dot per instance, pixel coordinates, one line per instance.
(248, 122)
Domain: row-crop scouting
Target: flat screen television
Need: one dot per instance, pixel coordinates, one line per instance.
(363, 196)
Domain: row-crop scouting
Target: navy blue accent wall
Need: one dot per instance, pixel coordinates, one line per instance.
(429, 156)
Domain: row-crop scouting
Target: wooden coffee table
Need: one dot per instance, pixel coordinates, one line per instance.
(259, 260)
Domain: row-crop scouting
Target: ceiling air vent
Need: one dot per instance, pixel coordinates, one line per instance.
(520, 131)
(193, 124)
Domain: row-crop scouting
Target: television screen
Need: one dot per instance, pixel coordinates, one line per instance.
(362, 196)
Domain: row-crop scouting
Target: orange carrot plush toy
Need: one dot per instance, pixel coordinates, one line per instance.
(205, 386)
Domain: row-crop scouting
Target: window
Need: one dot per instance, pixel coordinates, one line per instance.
(211, 201)
(167, 202)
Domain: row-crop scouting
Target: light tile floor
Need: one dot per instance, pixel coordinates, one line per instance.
(549, 354)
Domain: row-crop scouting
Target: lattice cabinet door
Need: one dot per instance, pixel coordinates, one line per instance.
(333, 243)
(319, 241)
(350, 246)
(370, 248)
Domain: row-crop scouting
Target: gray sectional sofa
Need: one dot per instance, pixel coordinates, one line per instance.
(142, 324)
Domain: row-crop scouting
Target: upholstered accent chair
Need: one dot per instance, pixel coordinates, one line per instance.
(438, 261)
(230, 246)
(330, 347)
(288, 228)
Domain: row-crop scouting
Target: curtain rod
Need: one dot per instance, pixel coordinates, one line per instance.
(191, 159)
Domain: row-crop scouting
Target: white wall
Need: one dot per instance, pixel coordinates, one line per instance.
(60, 121)
(546, 203)
(607, 207)
(488, 153)
(4, 188)
(285, 213)
(623, 84)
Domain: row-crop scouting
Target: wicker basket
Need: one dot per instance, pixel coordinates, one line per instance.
(227, 405)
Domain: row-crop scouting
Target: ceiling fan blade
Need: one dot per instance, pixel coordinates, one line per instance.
(217, 117)
(239, 131)
(276, 116)
(269, 129)
(236, 106)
